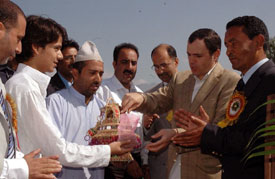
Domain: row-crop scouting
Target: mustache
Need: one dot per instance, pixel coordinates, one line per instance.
(128, 71)
(163, 74)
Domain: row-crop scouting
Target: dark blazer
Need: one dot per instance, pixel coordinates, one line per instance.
(229, 143)
(157, 160)
(55, 84)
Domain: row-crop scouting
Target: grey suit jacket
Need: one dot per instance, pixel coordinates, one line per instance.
(157, 160)
(4, 132)
(213, 96)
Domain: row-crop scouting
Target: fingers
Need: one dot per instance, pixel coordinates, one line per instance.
(131, 101)
(54, 157)
(33, 153)
(156, 146)
(155, 116)
(157, 135)
(204, 114)
(42, 176)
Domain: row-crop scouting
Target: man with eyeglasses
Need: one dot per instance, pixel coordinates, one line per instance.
(64, 78)
(207, 87)
(165, 64)
(125, 58)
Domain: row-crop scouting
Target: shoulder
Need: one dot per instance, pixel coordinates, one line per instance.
(179, 77)
(21, 83)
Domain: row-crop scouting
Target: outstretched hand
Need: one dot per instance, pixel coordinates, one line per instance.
(42, 167)
(120, 147)
(165, 136)
(193, 125)
(131, 101)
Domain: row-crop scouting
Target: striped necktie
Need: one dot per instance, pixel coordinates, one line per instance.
(11, 145)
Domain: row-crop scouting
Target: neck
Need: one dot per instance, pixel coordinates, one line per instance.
(88, 99)
(67, 77)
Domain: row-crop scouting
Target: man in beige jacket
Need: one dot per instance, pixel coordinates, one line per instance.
(204, 89)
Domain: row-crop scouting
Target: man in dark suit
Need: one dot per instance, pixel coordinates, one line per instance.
(63, 78)
(165, 64)
(246, 40)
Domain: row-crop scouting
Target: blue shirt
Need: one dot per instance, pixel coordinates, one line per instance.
(74, 118)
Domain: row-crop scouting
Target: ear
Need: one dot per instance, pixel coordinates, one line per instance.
(216, 54)
(259, 39)
(114, 64)
(177, 61)
(2, 30)
(75, 74)
(35, 49)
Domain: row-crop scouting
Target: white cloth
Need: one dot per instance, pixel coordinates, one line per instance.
(117, 92)
(17, 167)
(199, 83)
(74, 118)
(250, 72)
(36, 130)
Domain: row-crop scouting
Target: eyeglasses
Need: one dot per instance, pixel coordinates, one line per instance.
(161, 66)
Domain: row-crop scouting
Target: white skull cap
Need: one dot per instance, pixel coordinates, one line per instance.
(88, 51)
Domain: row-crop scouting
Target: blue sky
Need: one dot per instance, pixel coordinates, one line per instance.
(146, 23)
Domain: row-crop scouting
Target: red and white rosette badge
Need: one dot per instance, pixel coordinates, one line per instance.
(234, 108)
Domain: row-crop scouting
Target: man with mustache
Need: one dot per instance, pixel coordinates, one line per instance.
(207, 87)
(165, 63)
(64, 78)
(75, 110)
(125, 58)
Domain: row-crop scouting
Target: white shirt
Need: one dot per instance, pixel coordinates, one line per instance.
(117, 92)
(17, 167)
(199, 83)
(74, 118)
(250, 72)
(36, 130)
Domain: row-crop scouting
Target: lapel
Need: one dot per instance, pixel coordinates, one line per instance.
(187, 93)
(255, 79)
(207, 87)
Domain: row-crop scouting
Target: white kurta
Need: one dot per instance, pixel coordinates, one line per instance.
(36, 130)
(74, 118)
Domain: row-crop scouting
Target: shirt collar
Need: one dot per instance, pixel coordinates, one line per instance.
(250, 72)
(42, 79)
(119, 86)
(206, 75)
(77, 95)
(66, 82)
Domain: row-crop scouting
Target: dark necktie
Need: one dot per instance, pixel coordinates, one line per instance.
(240, 85)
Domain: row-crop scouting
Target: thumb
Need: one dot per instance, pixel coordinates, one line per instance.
(204, 114)
(34, 153)
(125, 142)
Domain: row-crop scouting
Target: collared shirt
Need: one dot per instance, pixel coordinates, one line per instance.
(66, 82)
(16, 167)
(36, 130)
(114, 85)
(199, 83)
(74, 118)
(250, 72)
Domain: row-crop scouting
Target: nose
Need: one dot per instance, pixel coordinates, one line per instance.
(18, 48)
(59, 55)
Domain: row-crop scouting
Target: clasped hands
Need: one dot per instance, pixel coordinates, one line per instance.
(193, 127)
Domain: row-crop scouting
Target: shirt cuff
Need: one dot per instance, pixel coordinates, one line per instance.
(15, 168)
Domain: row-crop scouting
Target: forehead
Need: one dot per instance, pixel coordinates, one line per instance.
(69, 50)
(20, 26)
(94, 65)
(234, 32)
(160, 56)
(128, 54)
(197, 46)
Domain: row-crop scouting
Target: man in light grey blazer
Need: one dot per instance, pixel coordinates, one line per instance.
(207, 87)
(165, 63)
(12, 162)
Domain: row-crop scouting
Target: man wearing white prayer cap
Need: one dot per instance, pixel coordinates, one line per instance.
(75, 110)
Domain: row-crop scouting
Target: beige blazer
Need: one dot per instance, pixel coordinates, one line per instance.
(213, 96)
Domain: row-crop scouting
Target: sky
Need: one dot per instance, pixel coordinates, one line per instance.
(146, 23)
